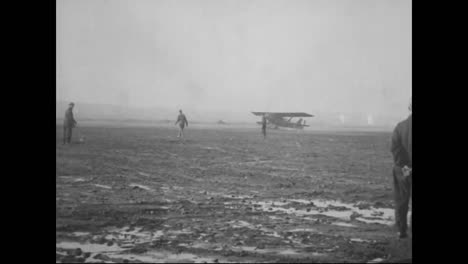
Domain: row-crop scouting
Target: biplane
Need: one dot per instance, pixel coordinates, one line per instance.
(283, 119)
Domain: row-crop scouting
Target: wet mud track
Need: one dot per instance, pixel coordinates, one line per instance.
(141, 195)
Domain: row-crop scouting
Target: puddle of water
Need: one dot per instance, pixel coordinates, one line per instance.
(128, 238)
(102, 186)
(270, 232)
(377, 260)
(164, 257)
(204, 245)
(323, 203)
(302, 230)
(73, 179)
(79, 180)
(137, 232)
(123, 243)
(89, 247)
(278, 203)
(374, 221)
(144, 257)
(343, 224)
(332, 249)
(276, 251)
(240, 223)
(91, 258)
(236, 196)
(249, 249)
(384, 216)
(303, 254)
(81, 233)
(301, 212)
(61, 253)
(326, 207)
(178, 232)
(288, 252)
(359, 240)
(158, 234)
(133, 185)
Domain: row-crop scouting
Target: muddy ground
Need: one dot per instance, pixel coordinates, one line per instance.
(225, 195)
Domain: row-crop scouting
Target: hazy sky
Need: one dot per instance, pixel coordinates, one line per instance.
(310, 55)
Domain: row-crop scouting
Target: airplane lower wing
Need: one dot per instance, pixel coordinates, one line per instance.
(283, 114)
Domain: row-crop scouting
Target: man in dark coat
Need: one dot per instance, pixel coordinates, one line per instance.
(182, 121)
(402, 172)
(264, 125)
(68, 124)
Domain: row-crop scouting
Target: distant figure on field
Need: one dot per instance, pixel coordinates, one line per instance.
(182, 120)
(402, 172)
(68, 124)
(264, 125)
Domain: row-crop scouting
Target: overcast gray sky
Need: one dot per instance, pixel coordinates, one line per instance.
(294, 55)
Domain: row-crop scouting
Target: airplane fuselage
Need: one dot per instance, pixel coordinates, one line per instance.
(278, 119)
(276, 122)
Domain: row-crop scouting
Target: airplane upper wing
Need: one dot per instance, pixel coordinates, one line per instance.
(283, 114)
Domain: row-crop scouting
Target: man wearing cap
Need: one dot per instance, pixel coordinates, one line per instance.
(182, 120)
(68, 124)
(401, 148)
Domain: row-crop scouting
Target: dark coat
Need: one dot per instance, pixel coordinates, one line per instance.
(69, 119)
(402, 143)
(182, 120)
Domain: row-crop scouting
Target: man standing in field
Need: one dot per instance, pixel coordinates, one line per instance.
(182, 120)
(402, 172)
(264, 125)
(68, 124)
